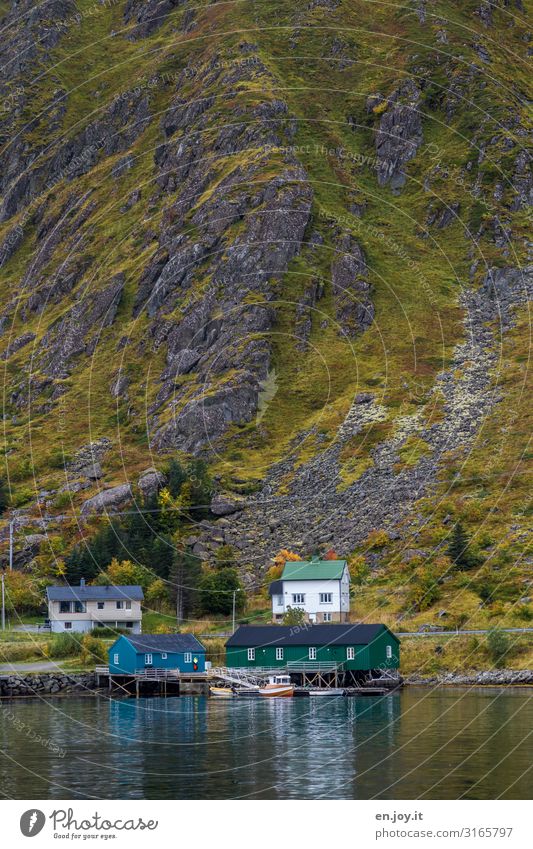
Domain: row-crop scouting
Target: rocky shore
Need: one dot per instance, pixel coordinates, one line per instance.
(488, 678)
(46, 684)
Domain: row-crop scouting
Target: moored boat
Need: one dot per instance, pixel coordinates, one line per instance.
(221, 692)
(278, 685)
(327, 691)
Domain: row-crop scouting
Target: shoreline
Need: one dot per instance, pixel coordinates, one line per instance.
(44, 684)
(484, 678)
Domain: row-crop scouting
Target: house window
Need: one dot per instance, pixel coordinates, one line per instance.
(312, 653)
(163, 655)
(350, 653)
(129, 624)
(128, 605)
(328, 617)
(279, 600)
(100, 605)
(120, 605)
(148, 660)
(64, 606)
(251, 654)
(68, 626)
(279, 654)
(389, 652)
(187, 657)
(79, 607)
(115, 659)
(298, 598)
(326, 598)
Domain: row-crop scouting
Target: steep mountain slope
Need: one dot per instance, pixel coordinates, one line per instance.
(291, 238)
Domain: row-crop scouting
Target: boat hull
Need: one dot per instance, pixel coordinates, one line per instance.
(280, 691)
(327, 691)
(221, 692)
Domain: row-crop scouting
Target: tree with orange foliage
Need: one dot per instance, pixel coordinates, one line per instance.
(331, 555)
(278, 562)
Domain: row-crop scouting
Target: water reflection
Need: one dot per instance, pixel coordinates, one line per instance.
(418, 744)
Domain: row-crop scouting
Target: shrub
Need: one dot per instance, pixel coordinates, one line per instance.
(13, 653)
(164, 628)
(523, 611)
(216, 592)
(22, 496)
(57, 459)
(62, 500)
(93, 650)
(23, 470)
(294, 616)
(359, 569)
(498, 645)
(65, 645)
(108, 632)
(424, 590)
(377, 539)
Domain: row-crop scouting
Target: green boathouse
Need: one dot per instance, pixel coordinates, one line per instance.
(348, 651)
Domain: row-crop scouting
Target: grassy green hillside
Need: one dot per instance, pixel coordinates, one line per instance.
(225, 224)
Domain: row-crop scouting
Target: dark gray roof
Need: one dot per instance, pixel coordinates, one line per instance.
(305, 635)
(84, 593)
(166, 642)
(276, 588)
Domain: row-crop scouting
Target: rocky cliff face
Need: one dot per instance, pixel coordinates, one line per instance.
(268, 237)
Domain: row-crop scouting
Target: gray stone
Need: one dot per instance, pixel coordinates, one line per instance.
(150, 482)
(109, 500)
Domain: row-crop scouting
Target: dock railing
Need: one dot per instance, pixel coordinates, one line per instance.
(314, 666)
(152, 674)
(157, 674)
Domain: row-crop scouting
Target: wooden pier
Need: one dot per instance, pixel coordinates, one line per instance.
(244, 681)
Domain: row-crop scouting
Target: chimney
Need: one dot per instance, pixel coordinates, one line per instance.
(82, 582)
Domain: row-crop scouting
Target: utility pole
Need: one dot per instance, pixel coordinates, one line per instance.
(233, 613)
(3, 602)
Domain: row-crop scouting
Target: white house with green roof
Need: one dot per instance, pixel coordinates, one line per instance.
(321, 588)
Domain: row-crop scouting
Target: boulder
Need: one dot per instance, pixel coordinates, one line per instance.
(107, 500)
(223, 505)
(150, 482)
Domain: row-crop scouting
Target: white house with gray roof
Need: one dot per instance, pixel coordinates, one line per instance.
(84, 608)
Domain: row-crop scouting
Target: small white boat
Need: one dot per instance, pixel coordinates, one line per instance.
(221, 692)
(327, 691)
(278, 685)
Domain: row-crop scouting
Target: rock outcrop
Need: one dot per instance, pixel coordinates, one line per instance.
(399, 135)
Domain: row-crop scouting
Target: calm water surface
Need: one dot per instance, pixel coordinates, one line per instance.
(445, 743)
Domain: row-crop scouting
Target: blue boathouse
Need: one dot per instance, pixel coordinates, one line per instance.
(184, 652)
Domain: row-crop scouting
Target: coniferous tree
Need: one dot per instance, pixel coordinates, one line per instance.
(201, 488)
(4, 496)
(176, 477)
(184, 578)
(459, 550)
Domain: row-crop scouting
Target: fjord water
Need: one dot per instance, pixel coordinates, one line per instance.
(418, 744)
